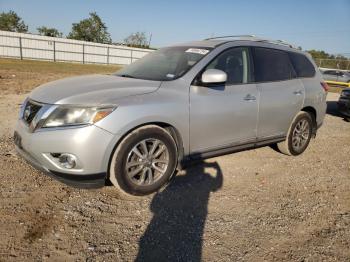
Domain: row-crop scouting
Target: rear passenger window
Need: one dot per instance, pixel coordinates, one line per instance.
(272, 65)
(328, 73)
(302, 66)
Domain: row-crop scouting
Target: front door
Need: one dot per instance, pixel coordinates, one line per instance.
(224, 115)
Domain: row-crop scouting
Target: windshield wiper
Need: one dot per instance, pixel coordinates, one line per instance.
(126, 75)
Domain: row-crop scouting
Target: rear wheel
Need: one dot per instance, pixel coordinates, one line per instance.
(299, 135)
(144, 161)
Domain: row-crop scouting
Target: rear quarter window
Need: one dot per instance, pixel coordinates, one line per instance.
(302, 65)
(272, 65)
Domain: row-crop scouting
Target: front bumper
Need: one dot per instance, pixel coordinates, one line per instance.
(91, 145)
(85, 181)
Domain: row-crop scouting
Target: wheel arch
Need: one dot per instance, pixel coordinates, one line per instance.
(312, 111)
(168, 127)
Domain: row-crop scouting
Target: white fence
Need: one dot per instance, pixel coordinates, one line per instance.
(28, 46)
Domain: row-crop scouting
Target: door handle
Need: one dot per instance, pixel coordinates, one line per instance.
(249, 97)
(298, 92)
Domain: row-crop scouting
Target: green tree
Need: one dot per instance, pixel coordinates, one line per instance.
(324, 59)
(91, 29)
(12, 22)
(320, 54)
(46, 31)
(137, 39)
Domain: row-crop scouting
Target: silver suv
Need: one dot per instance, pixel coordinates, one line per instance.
(191, 101)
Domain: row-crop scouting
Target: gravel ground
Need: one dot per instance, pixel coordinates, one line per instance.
(251, 206)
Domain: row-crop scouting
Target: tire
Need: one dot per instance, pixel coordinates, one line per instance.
(296, 136)
(135, 169)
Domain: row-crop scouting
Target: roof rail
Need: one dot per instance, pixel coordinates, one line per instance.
(229, 36)
(277, 42)
(257, 39)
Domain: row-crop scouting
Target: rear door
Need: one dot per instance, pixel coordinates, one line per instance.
(281, 94)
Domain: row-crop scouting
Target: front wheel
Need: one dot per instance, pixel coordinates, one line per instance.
(299, 135)
(144, 161)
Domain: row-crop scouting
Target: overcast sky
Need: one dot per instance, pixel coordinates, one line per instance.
(310, 24)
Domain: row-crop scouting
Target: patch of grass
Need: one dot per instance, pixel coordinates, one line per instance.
(55, 67)
(21, 76)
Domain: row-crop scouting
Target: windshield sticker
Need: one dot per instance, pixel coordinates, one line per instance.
(197, 51)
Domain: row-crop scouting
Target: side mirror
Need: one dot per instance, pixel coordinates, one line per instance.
(214, 76)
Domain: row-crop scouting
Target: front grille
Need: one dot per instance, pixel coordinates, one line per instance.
(30, 111)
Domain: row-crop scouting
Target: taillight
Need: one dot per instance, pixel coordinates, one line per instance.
(325, 86)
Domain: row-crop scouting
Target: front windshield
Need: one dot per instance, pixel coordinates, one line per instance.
(165, 64)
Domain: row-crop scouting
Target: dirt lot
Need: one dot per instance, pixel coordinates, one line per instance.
(251, 206)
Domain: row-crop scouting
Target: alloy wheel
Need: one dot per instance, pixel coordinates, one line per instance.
(301, 134)
(147, 162)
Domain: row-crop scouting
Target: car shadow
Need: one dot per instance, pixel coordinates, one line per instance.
(175, 232)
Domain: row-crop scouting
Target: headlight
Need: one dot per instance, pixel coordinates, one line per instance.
(23, 105)
(74, 116)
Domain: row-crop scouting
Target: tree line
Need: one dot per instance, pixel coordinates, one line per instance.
(91, 29)
(326, 60)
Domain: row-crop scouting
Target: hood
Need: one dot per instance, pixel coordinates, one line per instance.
(92, 89)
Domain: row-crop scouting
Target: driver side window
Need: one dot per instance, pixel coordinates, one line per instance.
(235, 63)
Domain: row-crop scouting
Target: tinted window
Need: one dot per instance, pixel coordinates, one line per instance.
(302, 66)
(272, 65)
(235, 62)
(330, 72)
